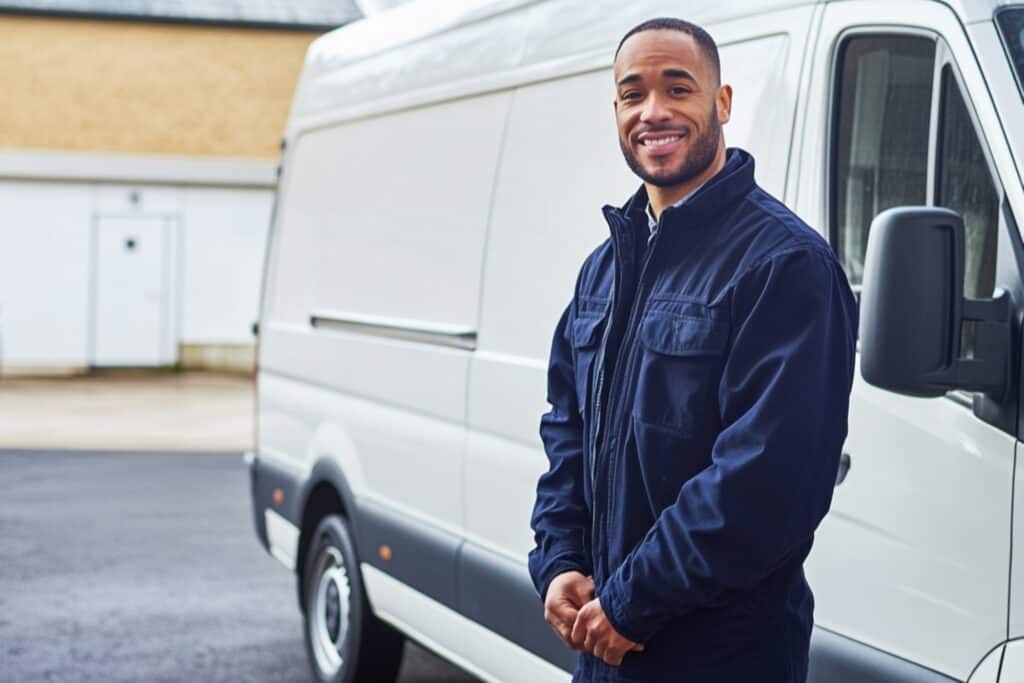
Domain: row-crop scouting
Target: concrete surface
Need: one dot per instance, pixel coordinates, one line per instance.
(128, 410)
(139, 566)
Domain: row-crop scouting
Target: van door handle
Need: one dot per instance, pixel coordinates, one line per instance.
(844, 468)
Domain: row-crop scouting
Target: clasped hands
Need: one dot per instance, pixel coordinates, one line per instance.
(578, 618)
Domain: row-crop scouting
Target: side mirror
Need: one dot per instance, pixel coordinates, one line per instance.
(919, 336)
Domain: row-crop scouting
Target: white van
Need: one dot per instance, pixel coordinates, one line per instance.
(444, 167)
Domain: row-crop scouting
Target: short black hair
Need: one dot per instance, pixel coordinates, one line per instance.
(703, 39)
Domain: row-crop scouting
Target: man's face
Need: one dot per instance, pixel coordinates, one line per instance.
(669, 107)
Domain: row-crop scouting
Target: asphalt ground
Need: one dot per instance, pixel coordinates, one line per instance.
(144, 566)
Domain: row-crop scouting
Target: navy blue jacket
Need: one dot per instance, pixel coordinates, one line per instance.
(699, 390)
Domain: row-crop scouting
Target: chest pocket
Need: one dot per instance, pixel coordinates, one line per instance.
(680, 367)
(587, 331)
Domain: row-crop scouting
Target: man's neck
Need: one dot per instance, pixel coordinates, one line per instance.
(661, 198)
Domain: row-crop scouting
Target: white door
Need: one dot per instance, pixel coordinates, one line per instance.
(914, 556)
(131, 292)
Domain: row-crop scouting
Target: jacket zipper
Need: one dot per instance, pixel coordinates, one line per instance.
(599, 367)
(595, 431)
(624, 347)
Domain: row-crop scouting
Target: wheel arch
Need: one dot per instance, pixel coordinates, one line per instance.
(325, 492)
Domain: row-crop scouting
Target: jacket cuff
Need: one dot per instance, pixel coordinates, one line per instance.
(561, 563)
(617, 611)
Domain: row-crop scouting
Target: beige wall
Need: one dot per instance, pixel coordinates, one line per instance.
(127, 87)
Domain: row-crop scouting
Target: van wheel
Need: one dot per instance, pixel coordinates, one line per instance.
(345, 642)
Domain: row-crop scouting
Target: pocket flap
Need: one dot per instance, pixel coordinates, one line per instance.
(586, 331)
(679, 336)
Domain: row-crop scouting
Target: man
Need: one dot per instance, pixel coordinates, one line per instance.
(699, 386)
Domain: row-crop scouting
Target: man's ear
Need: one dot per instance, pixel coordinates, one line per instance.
(724, 101)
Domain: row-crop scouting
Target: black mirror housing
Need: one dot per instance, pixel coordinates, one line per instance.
(914, 318)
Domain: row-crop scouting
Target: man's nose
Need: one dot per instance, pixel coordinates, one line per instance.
(655, 108)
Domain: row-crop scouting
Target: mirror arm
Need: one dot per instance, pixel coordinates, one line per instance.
(987, 370)
(994, 310)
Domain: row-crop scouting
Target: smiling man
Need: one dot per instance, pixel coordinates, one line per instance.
(699, 385)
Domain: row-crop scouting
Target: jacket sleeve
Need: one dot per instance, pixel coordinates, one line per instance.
(783, 400)
(560, 517)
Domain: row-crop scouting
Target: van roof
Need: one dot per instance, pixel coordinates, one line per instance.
(429, 44)
(301, 14)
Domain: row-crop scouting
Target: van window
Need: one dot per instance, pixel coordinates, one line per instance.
(880, 155)
(1011, 24)
(965, 186)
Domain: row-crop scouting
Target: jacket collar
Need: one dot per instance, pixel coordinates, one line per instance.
(722, 192)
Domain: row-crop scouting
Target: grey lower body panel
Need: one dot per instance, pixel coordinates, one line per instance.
(837, 659)
(498, 594)
(419, 555)
(264, 479)
(495, 592)
(478, 584)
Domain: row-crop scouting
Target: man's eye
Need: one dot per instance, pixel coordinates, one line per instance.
(631, 95)
(680, 90)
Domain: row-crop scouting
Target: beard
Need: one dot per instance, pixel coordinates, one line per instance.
(701, 154)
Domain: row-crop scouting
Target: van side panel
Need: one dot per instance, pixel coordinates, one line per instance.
(381, 219)
(988, 670)
(386, 216)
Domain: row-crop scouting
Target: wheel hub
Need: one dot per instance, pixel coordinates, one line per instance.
(333, 612)
(330, 611)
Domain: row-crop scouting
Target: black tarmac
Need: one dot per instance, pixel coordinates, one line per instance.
(146, 567)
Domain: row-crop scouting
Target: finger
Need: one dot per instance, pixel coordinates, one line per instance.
(563, 612)
(561, 624)
(561, 604)
(577, 599)
(614, 651)
(576, 640)
(584, 591)
(578, 632)
(637, 647)
(611, 657)
(565, 631)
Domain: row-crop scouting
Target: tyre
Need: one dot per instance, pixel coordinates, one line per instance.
(345, 642)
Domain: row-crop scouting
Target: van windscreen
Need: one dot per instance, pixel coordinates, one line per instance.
(1011, 24)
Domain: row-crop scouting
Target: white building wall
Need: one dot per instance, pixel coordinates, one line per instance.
(47, 259)
(44, 273)
(225, 239)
